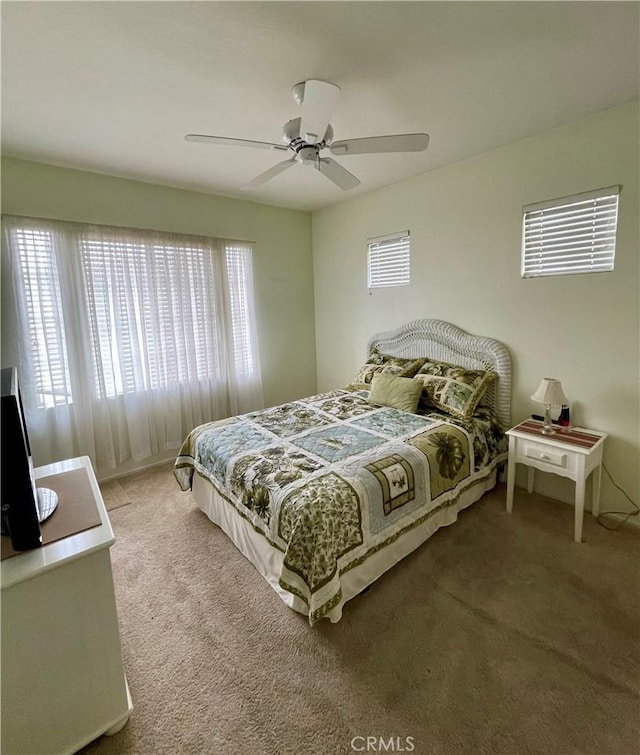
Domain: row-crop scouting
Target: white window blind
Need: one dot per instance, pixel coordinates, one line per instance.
(389, 260)
(42, 309)
(575, 234)
(240, 305)
(152, 312)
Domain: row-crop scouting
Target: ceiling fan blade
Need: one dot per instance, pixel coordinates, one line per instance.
(319, 101)
(377, 144)
(227, 141)
(268, 174)
(336, 173)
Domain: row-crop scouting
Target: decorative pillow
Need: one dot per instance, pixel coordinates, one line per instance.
(455, 390)
(398, 392)
(379, 364)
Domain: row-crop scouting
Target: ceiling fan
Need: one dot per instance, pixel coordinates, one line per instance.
(308, 135)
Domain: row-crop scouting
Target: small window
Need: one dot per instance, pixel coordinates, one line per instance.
(575, 234)
(389, 260)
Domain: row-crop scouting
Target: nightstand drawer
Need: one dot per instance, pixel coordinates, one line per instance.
(540, 452)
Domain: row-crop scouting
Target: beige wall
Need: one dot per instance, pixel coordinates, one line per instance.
(465, 223)
(283, 273)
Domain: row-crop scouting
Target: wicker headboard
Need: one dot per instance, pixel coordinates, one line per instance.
(436, 339)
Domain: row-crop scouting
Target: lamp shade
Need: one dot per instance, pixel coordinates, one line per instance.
(550, 392)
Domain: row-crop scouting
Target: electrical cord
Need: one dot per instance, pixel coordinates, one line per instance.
(628, 513)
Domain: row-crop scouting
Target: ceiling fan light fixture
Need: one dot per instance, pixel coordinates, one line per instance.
(307, 156)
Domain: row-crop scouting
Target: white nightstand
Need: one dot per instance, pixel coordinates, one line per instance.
(574, 454)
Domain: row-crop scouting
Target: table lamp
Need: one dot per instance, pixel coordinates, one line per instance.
(549, 393)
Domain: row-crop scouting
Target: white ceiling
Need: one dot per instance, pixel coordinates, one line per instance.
(113, 87)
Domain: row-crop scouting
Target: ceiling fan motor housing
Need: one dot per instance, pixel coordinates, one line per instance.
(291, 134)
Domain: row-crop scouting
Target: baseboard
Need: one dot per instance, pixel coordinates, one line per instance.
(632, 521)
(144, 468)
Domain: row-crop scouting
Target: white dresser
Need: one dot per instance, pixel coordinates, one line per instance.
(63, 682)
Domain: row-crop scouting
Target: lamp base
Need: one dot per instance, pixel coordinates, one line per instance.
(547, 428)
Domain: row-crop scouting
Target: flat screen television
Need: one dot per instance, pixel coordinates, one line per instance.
(23, 506)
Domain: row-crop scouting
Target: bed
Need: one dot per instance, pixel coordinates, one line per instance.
(325, 494)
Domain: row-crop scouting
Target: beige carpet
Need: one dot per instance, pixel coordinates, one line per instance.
(500, 635)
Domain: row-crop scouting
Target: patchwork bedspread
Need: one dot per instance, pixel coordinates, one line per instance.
(331, 479)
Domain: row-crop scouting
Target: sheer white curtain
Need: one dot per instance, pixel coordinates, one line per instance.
(128, 339)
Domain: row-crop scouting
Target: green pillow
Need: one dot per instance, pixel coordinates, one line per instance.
(398, 392)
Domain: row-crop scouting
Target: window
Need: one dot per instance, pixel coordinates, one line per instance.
(575, 234)
(240, 305)
(152, 311)
(141, 296)
(389, 260)
(130, 338)
(42, 313)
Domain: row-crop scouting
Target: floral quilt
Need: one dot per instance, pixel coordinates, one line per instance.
(331, 479)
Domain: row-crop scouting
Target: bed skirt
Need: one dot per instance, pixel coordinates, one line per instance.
(268, 560)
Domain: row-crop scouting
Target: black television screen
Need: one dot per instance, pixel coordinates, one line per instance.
(22, 504)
